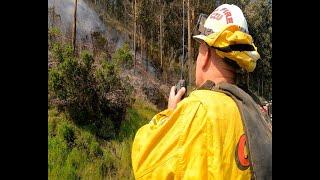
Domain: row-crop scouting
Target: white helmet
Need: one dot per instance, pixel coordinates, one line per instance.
(226, 14)
(216, 29)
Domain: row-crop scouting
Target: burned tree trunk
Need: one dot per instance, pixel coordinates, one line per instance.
(74, 37)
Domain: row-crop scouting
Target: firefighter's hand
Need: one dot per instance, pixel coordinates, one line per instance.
(174, 99)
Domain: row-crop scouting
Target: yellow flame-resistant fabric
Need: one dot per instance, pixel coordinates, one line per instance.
(197, 140)
(230, 35)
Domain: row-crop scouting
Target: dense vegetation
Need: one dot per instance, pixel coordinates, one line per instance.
(92, 114)
(75, 152)
(90, 91)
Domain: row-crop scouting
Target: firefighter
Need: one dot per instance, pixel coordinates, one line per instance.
(203, 136)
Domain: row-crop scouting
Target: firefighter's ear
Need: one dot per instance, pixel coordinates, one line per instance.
(206, 58)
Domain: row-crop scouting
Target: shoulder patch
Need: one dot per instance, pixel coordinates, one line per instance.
(241, 156)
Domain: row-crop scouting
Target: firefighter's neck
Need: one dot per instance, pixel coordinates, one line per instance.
(219, 71)
(222, 74)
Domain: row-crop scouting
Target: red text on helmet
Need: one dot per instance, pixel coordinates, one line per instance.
(216, 15)
(228, 15)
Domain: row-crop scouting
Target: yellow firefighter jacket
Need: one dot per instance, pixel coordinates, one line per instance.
(203, 138)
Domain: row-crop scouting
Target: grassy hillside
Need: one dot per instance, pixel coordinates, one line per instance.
(74, 152)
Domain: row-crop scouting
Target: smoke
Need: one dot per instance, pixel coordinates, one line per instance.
(87, 19)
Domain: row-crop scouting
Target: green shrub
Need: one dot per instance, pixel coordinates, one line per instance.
(123, 57)
(66, 132)
(53, 35)
(53, 32)
(62, 51)
(91, 92)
